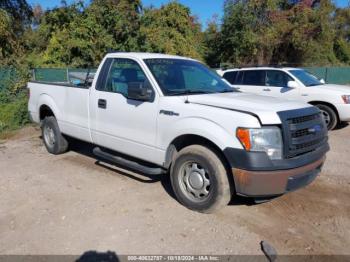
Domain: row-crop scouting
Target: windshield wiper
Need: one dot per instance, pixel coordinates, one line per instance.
(229, 91)
(189, 92)
(316, 84)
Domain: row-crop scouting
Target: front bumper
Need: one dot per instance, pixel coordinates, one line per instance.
(272, 183)
(343, 112)
(255, 175)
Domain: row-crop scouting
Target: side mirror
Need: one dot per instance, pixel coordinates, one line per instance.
(141, 91)
(322, 81)
(292, 84)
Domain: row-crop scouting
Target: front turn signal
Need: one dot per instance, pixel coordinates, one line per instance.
(243, 136)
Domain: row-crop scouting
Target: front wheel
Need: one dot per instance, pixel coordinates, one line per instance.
(199, 179)
(329, 115)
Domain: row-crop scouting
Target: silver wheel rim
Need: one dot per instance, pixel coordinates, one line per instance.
(326, 117)
(49, 136)
(194, 181)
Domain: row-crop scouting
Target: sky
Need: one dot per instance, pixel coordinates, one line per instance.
(203, 9)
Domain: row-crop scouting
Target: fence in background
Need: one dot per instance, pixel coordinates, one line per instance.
(60, 75)
(7, 76)
(333, 75)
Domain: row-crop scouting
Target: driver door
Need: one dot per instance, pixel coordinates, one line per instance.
(117, 122)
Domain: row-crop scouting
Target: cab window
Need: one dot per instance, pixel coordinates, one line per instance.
(254, 77)
(121, 73)
(231, 77)
(277, 78)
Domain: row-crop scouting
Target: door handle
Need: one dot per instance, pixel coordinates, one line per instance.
(102, 103)
(266, 89)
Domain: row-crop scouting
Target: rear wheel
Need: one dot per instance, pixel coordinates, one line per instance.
(199, 179)
(54, 141)
(329, 115)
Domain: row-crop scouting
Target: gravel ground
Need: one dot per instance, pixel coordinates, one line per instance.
(71, 203)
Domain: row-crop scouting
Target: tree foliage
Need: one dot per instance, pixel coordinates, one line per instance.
(20, 13)
(342, 39)
(79, 36)
(212, 39)
(7, 37)
(173, 30)
(250, 32)
(308, 32)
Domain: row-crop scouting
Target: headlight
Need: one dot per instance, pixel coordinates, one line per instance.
(346, 99)
(266, 139)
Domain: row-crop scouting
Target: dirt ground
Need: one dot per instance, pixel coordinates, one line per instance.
(71, 203)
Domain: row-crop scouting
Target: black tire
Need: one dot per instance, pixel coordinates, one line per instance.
(202, 165)
(330, 116)
(54, 141)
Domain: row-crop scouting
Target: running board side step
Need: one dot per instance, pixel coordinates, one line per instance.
(135, 166)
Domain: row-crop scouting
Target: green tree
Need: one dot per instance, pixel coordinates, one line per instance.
(212, 43)
(20, 13)
(342, 41)
(278, 31)
(311, 35)
(121, 19)
(82, 44)
(7, 37)
(248, 33)
(84, 38)
(172, 29)
(45, 25)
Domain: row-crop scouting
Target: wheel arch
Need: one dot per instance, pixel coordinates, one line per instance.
(185, 140)
(47, 107)
(45, 111)
(316, 102)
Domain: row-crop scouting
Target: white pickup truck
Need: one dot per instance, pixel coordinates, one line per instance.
(294, 84)
(157, 114)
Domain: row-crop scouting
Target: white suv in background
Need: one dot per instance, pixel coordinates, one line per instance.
(294, 84)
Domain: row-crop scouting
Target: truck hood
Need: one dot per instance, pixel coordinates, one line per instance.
(264, 107)
(344, 90)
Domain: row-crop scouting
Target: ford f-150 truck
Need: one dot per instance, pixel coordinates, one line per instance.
(156, 114)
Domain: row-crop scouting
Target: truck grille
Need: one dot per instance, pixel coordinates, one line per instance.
(302, 133)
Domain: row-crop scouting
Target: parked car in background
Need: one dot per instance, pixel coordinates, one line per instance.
(158, 114)
(294, 84)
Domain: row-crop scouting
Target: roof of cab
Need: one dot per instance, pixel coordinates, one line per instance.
(145, 55)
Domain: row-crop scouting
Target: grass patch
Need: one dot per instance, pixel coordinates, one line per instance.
(13, 115)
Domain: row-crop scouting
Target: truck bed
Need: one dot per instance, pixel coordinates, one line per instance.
(69, 103)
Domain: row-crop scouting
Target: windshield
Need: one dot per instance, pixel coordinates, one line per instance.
(305, 77)
(184, 77)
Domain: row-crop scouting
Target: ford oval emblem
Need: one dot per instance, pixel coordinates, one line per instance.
(315, 129)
